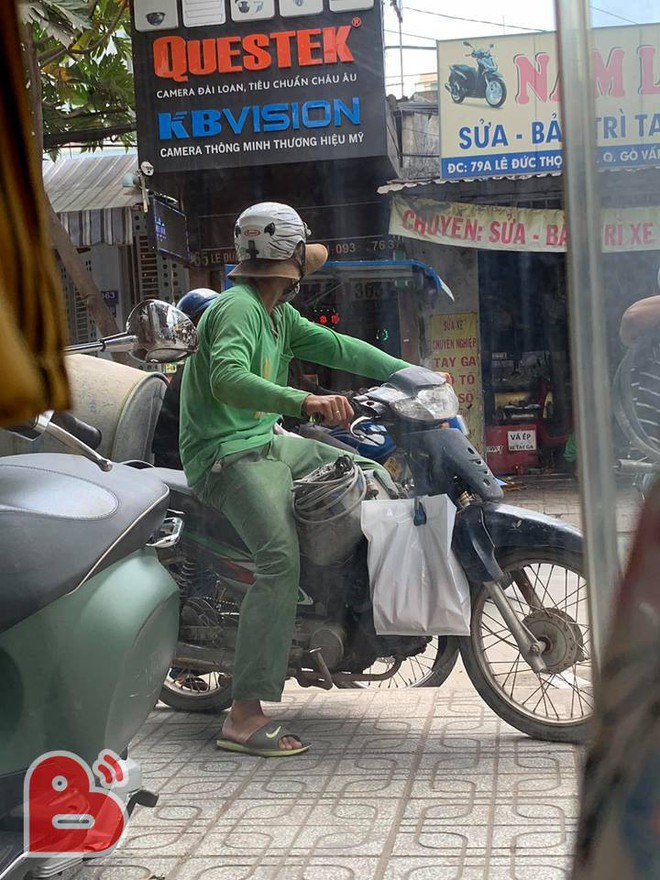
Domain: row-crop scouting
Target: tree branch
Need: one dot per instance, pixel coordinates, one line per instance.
(75, 54)
(87, 136)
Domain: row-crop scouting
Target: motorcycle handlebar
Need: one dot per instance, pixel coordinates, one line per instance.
(88, 434)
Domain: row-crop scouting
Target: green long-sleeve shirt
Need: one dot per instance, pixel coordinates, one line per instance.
(234, 388)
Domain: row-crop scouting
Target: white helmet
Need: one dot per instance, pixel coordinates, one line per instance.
(269, 231)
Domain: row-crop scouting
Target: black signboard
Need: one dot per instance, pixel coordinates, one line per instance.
(227, 83)
(168, 231)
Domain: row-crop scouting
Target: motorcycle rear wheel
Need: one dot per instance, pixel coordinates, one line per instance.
(456, 91)
(187, 699)
(555, 706)
(429, 669)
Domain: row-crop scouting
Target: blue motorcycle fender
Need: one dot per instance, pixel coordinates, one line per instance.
(483, 530)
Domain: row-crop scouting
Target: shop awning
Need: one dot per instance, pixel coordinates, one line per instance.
(374, 270)
(90, 195)
(382, 270)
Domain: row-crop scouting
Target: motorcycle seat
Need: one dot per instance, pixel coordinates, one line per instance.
(175, 479)
(63, 520)
(198, 516)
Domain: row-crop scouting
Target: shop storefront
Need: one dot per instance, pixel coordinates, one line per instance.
(495, 198)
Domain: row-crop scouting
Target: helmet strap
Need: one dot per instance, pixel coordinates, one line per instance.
(298, 257)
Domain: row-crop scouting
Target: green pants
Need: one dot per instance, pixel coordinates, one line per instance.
(253, 492)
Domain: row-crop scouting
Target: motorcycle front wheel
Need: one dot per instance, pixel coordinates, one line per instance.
(495, 93)
(556, 705)
(428, 669)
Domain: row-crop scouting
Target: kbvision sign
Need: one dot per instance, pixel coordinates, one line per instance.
(226, 83)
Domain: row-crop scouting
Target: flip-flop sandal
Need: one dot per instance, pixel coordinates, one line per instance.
(262, 741)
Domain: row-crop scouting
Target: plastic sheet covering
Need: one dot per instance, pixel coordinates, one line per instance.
(620, 809)
(32, 318)
(417, 585)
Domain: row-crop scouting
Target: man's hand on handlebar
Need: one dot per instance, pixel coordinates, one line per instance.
(332, 409)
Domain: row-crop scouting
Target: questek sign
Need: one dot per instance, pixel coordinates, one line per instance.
(227, 83)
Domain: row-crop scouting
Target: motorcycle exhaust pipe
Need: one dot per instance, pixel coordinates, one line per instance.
(204, 659)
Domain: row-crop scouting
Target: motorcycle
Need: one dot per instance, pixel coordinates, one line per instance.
(88, 620)
(528, 652)
(484, 81)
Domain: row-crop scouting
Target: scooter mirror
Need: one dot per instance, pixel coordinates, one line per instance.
(164, 334)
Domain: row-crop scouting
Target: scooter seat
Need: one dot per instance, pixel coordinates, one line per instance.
(63, 520)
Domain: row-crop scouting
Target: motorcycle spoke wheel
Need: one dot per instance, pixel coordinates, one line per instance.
(428, 669)
(190, 690)
(194, 691)
(556, 705)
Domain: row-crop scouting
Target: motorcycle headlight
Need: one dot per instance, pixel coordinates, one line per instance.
(435, 404)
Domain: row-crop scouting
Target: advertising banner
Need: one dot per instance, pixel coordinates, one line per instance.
(499, 102)
(455, 349)
(227, 83)
(494, 228)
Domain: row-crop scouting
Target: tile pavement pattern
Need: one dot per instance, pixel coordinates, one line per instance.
(402, 785)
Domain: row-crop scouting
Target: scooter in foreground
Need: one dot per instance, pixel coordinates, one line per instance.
(88, 617)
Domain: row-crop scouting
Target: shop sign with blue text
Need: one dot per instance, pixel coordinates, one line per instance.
(227, 83)
(500, 102)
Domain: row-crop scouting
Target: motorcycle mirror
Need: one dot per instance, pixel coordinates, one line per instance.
(163, 333)
(491, 45)
(465, 43)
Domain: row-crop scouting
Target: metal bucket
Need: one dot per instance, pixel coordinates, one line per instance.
(326, 508)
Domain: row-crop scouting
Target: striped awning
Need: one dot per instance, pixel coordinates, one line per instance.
(89, 194)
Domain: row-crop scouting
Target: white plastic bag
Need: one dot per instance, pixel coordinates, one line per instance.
(417, 585)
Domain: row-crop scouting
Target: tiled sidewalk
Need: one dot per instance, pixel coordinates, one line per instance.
(560, 498)
(401, 785)
(407, 785)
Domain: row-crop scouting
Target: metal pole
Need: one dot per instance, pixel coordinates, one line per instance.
(590, 372)
(401, 55)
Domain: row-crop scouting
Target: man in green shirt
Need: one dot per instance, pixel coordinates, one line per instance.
(233, 392)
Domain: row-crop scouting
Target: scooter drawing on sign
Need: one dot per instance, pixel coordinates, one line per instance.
(484, 81)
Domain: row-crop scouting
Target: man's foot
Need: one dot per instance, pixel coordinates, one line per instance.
(241, 724)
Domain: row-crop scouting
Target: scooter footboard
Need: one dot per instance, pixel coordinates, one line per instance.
(83, 673)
